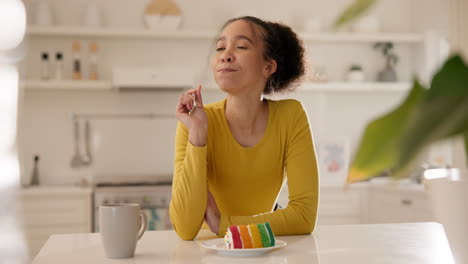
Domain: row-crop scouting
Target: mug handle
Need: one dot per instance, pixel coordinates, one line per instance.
(143, 225)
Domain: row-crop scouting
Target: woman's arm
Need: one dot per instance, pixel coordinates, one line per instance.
(299, 217)
(189, 187)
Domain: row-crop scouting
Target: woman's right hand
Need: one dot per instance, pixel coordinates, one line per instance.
(196, 121)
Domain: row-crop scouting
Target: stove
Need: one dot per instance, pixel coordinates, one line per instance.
(153, 194)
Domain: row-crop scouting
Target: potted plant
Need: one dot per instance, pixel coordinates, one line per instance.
(395, 141)
(355, 73)
(388, 74)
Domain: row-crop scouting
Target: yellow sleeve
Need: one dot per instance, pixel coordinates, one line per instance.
(189, 186)
(299, 217)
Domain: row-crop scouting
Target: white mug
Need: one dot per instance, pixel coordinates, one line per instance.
(121, 225)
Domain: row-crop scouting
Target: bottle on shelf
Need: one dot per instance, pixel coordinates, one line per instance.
(76, 48)
(93, 61)
(45, 67)
(35, 172)
(59, 66)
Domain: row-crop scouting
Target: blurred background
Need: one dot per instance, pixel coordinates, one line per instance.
(100, 80)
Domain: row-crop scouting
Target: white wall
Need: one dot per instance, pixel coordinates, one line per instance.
(45, 117)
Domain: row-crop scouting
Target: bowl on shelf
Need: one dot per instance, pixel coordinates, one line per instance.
(162, 22)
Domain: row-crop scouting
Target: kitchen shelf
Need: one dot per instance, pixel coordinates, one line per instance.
(360, 37)
(355, 87)
(67, 85)
(70, 31)
(306, 87)
(63, 31)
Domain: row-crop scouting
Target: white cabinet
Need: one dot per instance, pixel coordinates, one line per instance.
(54, 210)
(393, 204)
(339, 206)
(371, 203)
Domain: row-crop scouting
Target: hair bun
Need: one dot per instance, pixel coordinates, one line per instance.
(288, 51)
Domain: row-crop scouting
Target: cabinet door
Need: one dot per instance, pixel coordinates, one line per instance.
(394, 206)
(44, 215)
(337, 206)
(40, 211)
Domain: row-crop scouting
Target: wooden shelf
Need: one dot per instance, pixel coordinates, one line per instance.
(69, 31)
(306, 87)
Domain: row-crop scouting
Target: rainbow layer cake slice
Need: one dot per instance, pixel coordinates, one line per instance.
(249, 236)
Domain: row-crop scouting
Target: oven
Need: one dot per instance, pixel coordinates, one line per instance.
(153, 199)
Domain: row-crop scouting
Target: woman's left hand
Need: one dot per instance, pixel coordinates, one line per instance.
(212, 214)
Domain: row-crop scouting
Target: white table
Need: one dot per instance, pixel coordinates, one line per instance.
(386, 243)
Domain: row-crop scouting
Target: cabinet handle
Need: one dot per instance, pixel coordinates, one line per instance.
(406, 202)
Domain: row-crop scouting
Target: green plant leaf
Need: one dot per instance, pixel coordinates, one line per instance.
(396, 140)
(352, 12)
(379, 146)
(442, 113)
(465, 136)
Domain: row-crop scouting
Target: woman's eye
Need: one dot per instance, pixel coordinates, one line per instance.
(242, 47)
(219, 49)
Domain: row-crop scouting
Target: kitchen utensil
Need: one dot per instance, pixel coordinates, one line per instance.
(194, 104)
(76, 161)
(35, 172)
(87, 157)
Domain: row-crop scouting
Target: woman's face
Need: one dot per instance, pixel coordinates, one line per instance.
(238, 64)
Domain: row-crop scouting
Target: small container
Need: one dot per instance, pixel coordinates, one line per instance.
(43, 15)
(35, 172)
(92, 15)
(45, 66)
(355, 74)
(76, 48)
(58, 66)
(93, 61)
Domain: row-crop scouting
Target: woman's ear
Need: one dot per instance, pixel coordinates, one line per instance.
(270, 68)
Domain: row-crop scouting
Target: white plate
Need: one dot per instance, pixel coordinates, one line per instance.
(220, 247)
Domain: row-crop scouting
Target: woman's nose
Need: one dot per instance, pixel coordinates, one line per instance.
(227, 57)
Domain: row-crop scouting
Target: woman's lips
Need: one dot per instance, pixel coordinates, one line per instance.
(227, 70)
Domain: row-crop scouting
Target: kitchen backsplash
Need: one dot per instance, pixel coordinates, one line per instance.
(124, 146)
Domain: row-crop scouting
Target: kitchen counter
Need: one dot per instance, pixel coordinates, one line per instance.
(55, 191)
(385, 243)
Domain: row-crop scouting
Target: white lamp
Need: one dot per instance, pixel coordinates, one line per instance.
(12, 31)
(12, 24)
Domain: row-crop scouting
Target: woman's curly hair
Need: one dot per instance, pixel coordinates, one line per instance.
(282, 45)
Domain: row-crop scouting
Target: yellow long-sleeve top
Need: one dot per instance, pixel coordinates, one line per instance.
(245, 182)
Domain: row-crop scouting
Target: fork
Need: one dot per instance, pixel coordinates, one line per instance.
(194, 104)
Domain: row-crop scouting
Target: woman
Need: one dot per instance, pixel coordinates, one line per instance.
(232, 157)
